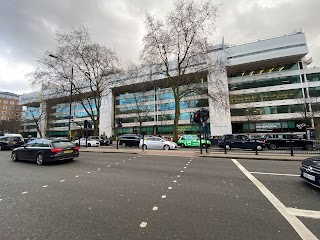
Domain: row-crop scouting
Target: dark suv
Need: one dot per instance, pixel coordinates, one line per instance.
(10, 142)
(229, 141)
(129, 140)
(282, 140)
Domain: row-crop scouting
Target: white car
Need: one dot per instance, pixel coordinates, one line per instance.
(153, 142)
(90, 143)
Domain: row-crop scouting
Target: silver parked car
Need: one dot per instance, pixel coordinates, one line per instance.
(153, 142)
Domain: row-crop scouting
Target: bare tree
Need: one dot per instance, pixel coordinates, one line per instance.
(79, 67)
(142, 104)
(178, 44)
(252, 116)
(33, 115)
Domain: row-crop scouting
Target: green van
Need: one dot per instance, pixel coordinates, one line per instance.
(191, 141)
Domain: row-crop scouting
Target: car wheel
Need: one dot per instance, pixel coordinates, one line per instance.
(228, 147)
(39, 159)
(308, 147)
(14, 157)
(123, 145)
(0, 147)
(89, 144)
(182, 145)
(272, 146)
(166, 147)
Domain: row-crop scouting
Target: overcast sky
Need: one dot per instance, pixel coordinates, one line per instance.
(27, 28)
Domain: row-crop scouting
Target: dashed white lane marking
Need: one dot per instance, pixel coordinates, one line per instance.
(1, 199)
(298, 226)
(181, 171)
(88, 172)
(143, 224)
(129, 158)
(77, 176)
(117, 163)
(62, 180)
(174, 181)
(178, 175)
(99, 169)
(135, 157)
(163, 196)
(184, 167)
(24, 192)
(277, 174)
(187, 164)
(303, 213)
(124, 161)
(45, 186)
(169, 188)
(155, 208)
(108, 166)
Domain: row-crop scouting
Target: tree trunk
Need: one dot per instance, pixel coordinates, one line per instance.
(177, 113)
(96, 128)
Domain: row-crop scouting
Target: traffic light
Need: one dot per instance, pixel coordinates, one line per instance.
(205, 115)
(197, 117)
(120, 122)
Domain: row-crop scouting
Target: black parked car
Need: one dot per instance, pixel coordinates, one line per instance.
(282, 140)
(129, 140)
(44, 150)
(310, 170)
(241, 141)
(10, 142)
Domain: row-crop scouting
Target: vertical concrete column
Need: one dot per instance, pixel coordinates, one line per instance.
(106, 113)
(43, 119)
(220, 117)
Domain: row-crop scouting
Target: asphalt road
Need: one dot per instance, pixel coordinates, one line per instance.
(131, 196)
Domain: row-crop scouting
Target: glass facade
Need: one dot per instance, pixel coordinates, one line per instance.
(267, 110)
(266, 96)
(313, 77)
(264, 83)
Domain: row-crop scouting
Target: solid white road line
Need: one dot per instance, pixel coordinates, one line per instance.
(62, 180)
(303, 213)
(277, 174)
(24, 192)
(297, 225)
(45, 186)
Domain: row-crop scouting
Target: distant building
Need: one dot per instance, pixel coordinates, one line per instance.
(268, 80)
(10, 113)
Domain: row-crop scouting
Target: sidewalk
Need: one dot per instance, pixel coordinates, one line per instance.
(196, 153)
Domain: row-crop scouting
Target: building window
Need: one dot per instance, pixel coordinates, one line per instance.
(4, 112)
(5, 101)
(3, 118)
(11, 102)
(4, 107)
(11, 108)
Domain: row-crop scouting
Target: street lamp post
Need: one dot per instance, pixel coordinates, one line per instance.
(70, 100)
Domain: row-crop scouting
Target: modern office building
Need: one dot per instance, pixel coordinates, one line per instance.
(10, 112)
(268, 86)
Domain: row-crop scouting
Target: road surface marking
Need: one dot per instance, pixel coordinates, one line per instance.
(170, 188)
(129, 159)
(191, 158)
(108, 166)
(77, 176)
(303, 213)
(45, 186)
(277, 174)
(184, 167)
(99, 169)
(62, 180)
(298, 226)
(1, 199)
(143, 224)
(187, 164)
(174, 181)
(163, 196)
(124, 161)
(88, 172)
(155, 208)
(181, 171)
(24, 192)
(135, 157)
(178, 175)
(117, 163)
